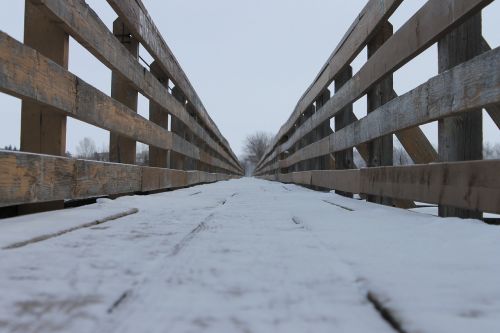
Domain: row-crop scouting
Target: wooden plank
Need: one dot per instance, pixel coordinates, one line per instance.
(380, 150)
(493, 110)
(158, 157)
(470, 185)
(156, 178)
(34, 178)
(143, 27)
(27, 74)
(361, 30)
(460, 138)
(122, 149)
(344, 159)
(42, 130)
(432, 21)
(78, 19)
(345, 181)
(31, 178)
(473, 84)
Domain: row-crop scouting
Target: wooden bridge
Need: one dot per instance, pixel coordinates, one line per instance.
(248, 254)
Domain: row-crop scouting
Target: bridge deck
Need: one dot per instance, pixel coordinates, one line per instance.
(248, 256)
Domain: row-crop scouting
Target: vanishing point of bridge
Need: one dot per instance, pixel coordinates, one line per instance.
(251, 254)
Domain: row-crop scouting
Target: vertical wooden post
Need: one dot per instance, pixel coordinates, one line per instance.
(192, 163)
(158, 157)
(344, 159)
(323, 130)
(307, 139)
(178, 161)
(380, 151)
(122, 149)
(43, 130)
(460, 137)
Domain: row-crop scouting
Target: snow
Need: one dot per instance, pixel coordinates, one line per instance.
(248, 256)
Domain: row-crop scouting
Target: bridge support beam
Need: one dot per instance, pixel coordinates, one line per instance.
(158, 157)
(380, 151)
(460, 137)
(43, 130)
(122, 149)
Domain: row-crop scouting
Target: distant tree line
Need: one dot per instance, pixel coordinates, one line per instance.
(10, 147)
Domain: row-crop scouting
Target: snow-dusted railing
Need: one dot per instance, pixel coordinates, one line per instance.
(37, 72)
(467, 83)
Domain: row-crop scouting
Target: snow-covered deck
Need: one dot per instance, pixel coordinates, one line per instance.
(247, 256)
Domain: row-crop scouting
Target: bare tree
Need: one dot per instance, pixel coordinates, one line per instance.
(401, 157)
(86, 149)
(254, 148)
(142, 154)
(491, 152)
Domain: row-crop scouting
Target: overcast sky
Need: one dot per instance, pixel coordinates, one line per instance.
(249, 61)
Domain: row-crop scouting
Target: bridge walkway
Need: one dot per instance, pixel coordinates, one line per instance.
(247, 255)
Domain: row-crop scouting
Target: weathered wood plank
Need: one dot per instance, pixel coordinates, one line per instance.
(158, 157)
(460, 138)
(33, 178)
(78, 19)
(432, 21)
(471, 185)
(346, 181)
(122, 149)
(42, 130)
(380, 150)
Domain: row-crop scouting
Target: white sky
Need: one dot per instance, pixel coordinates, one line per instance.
(249, 61)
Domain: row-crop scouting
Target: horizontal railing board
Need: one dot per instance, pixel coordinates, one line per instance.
(471, 85)
(472, 185)
(137, 19)
(355, 39)
(32, 178)
(432, 21)
(78, 19)
(493, 110)
(27, 74)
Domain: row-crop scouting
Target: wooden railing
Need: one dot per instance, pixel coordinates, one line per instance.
(193, 151)
(306, 150)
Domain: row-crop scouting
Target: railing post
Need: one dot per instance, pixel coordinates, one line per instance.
(178, 161)
(122, 149)
(192, 164)
(158, 157)
(323, 130)
(380, 151)
(43, 130)
(307, 139)
(460, 138)
(344, 159)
